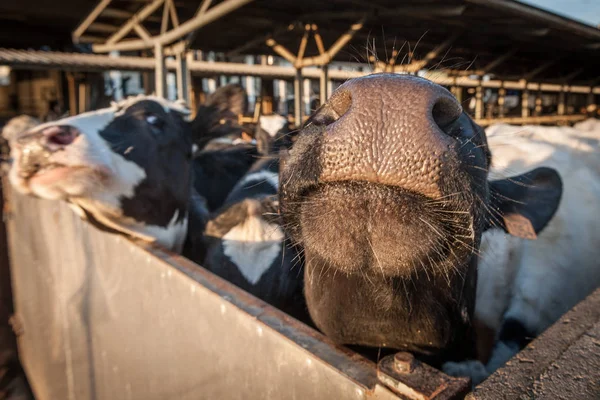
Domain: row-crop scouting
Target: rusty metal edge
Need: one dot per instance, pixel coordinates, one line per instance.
(517, 377)
(355, 367)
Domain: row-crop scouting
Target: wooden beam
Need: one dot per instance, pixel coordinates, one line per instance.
(173, 12)
(572, 75)
(318, 39)
(160, 71)
(281, 50)
(142, 32)
(539, 69)
(546, 119)
(80, 30)
(136, 19)
(121, 14)
(223, 8)
(101, 27)
(72, 94)
(298, 98)
(416, 66)
(164, 24)
(324, 59)
(303, 43)
(493, 64)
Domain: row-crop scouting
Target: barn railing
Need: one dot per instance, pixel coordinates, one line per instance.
(101, 317)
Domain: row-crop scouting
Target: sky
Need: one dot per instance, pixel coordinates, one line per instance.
(587, 11)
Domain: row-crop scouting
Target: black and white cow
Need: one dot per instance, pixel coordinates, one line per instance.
(126, 167)
(524, 286)
(246, 245)
(386, 190)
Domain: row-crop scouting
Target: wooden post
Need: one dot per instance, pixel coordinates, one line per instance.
(538, 103)
(183, 77)
(298, 98)
(525, 103)
(591, 102)
(267, 95)
(479, 102)
(72, 94)
(561, 102)
(83, 97)
(324, 84)
(160, 70)
(501, 102)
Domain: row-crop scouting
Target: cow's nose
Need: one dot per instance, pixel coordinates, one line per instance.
(36, 147)
(388, 129)
(59, 136)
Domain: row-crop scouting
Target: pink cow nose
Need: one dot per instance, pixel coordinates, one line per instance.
(59, 136)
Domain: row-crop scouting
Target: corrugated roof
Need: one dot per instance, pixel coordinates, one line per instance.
(532, 40)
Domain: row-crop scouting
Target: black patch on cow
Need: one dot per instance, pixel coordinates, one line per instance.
(159, 142)
(217, 172)
(258, 187)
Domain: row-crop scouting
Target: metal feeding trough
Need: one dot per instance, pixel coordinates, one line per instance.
(102, 317)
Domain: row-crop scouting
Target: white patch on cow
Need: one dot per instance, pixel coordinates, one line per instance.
(272, 123)
(252, 246)
(258, 177)
(537, 281)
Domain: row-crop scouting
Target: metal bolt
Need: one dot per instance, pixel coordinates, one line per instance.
(404, 363)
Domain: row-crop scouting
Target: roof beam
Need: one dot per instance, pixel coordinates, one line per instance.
(101, 27)
(325, 58)
(89, 19)
(493, 64)
(572, 75)
(197, 22)
(260, 40)
(528, 76)
(135, 20)
(200, 11)
(419, 65)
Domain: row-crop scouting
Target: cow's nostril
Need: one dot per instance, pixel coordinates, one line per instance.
(445, 111)
(334, 109)
(60, 135)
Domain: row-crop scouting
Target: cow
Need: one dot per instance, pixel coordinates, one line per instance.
(524, 285)
(226, 159)
(386, 192)
(127, 168)
(246, 245)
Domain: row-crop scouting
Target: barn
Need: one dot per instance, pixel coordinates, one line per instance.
(101, 316)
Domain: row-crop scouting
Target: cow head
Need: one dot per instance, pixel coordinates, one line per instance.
(386, 190)
(126, 167)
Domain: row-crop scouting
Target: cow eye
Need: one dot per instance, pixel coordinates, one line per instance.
(152, 119)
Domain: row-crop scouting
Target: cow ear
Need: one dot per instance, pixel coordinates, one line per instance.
(229, 99)
(523, 205)
(218, 116)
